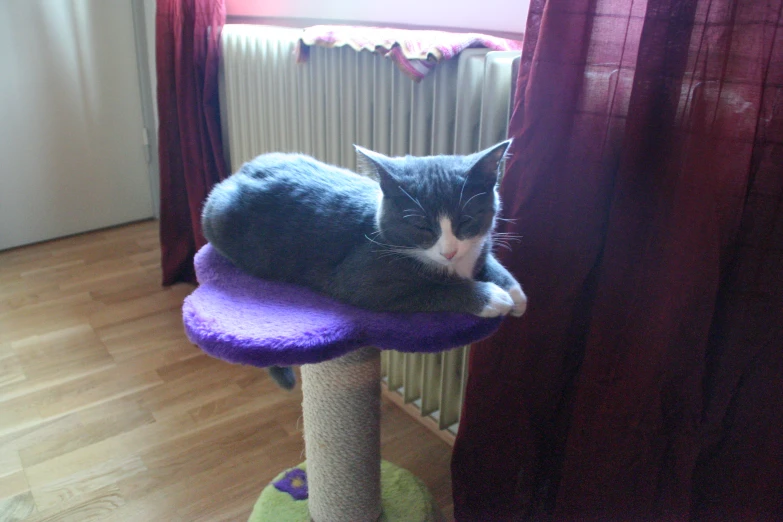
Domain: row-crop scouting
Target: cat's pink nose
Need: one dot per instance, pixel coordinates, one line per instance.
(450, 255)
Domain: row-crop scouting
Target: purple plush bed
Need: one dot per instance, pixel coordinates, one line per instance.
(243, 319)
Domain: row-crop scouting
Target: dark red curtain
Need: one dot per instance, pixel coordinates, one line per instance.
(646, 183)
(190, 142)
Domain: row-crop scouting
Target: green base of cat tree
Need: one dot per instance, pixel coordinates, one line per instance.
(404, 498)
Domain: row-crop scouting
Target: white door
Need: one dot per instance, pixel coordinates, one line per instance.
(71, 151)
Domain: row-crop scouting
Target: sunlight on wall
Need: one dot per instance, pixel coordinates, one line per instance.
(489, 15)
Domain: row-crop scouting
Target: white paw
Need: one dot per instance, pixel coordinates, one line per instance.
(520, 301)
(499, 303)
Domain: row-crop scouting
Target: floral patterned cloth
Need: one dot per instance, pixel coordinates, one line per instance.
(294, 482)
(416, 52)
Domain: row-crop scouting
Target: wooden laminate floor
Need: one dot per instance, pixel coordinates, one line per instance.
(107, 412)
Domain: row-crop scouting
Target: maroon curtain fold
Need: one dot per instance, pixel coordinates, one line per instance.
(190, 141)
(646, 183)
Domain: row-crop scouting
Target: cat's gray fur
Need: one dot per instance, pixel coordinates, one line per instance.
(288, 217)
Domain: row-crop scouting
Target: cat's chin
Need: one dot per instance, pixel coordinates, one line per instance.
(424, 257)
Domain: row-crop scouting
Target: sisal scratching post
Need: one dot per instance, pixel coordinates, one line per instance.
(342, 432)
(242, 319)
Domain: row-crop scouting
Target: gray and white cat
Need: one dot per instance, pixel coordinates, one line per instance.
(419, 239)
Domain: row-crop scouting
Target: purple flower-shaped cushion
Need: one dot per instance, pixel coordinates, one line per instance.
(243, 319)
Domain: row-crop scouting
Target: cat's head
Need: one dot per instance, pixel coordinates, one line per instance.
(439, 209)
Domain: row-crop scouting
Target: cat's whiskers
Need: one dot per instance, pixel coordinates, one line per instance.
(412, 199)
(471, 198)
(387, 245)
(507, 236)
(425, 267)
(504, 239)
(410, 212)
(463, 188)
(393, 254)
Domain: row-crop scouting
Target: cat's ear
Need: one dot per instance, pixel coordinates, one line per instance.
(488, 162)
(376, 165)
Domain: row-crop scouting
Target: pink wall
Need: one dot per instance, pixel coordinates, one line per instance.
(489, 15)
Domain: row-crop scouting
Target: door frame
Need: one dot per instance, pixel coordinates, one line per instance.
(145, 64)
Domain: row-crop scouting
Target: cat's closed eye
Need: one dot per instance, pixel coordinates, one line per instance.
(419, 223)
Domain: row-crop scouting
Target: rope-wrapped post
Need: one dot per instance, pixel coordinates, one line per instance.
(342, 432)
(242, 319)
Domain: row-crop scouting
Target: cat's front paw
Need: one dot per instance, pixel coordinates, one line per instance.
(520, 301)
(499, 302)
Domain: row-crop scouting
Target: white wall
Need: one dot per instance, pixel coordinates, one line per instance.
(71, 125)
(489, 15)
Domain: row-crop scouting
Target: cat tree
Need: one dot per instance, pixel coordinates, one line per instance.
(242, 319)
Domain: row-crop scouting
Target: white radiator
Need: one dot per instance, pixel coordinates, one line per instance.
(341, 97)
